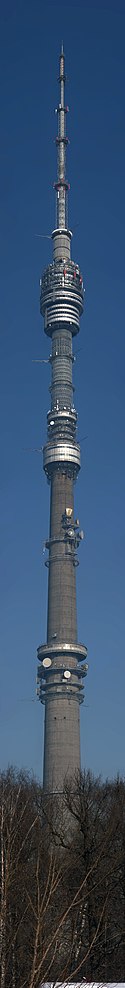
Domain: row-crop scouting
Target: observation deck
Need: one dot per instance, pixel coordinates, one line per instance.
(61, 297)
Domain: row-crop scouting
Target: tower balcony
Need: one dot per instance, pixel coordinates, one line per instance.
(67, 649)
(61, 454)
(59, 673)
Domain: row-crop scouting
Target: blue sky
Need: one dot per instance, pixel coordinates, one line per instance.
(94, 37)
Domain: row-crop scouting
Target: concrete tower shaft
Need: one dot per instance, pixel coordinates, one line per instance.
(62, 665)
(62, 620)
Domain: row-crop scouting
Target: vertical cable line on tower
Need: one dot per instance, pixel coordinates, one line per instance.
(62, 665)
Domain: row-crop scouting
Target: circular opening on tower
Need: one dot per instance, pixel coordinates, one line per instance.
(67, 674)
(47, 662)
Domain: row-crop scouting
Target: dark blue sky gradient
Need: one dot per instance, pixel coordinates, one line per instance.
(94, 41)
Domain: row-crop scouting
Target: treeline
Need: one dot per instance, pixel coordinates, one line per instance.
(62, 882)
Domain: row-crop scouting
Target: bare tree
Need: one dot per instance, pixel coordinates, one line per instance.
(58, 886)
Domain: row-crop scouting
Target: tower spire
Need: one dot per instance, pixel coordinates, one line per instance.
(61, 185)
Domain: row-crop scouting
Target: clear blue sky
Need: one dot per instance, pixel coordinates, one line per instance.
(94, 41)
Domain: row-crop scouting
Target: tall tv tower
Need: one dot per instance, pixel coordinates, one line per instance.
(62, 660)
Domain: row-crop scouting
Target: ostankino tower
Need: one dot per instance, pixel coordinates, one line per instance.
(62, 660)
